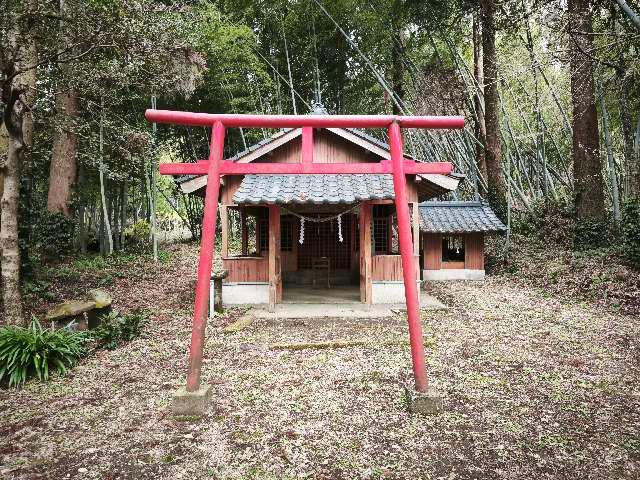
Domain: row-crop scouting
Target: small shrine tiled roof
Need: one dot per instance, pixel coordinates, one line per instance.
(459, 217)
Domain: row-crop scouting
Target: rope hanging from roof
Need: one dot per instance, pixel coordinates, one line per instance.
(318, 219)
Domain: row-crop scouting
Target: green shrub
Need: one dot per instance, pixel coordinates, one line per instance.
(34, 351)
(54, 234)
(132, 325)
(591, 234)
(554, 222)
(630, 227)
(549, 221)
(41, 289)
(108, 333)
(115, 328)
(89, 264)
(138, 234)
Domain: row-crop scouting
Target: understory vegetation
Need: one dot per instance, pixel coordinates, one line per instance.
(35, 351)
(594, 262)
(550, 93)
(535, 384)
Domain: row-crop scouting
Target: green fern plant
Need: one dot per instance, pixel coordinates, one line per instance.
(34, 351)
(132, 324)
(115, 328)
(109, 333)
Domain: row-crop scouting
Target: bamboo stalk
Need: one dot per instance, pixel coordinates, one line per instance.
(615, 196)
(105, 213)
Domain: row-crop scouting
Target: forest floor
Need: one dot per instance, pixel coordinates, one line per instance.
(535, 385)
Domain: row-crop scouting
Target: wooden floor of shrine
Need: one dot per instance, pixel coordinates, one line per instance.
(341, 294)
(327, 303)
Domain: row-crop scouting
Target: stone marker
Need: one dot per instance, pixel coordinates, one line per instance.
(218, 274)
(240, 324)
(80, 314)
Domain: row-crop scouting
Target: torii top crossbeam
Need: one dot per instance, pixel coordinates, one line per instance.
(215, 166)
(295, 121)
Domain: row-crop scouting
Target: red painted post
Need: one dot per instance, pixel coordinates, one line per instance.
(307, 146)
(234, 168)
(207, 246)
(406, 251)
(296, 121)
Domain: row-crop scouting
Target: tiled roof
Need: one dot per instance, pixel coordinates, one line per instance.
(315, 189)
(458, 217)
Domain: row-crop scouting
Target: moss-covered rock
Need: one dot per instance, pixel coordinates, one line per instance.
(101, 298)
(70, 309)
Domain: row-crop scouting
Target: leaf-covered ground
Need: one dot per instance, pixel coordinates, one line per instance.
(534, 387)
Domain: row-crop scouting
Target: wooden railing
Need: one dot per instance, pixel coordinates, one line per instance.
(246, 269)
(389, 267)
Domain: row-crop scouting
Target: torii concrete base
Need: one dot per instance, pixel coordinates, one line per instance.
(426, 403)
(190, 403)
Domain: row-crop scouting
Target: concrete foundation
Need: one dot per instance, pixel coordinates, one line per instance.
(190, 403)
(425, 403)
(244, 293)
(453, 274)
(388, 292)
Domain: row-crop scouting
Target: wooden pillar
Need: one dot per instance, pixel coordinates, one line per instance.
(389, 235)
(416, 228)
(257, 236)
(365, 253)
(224, 225)
(295, 235)
(244, 233)
(353, 225)
(415, 213)
(275, 267)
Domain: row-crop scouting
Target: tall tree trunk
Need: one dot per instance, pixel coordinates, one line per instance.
(62, 173)
(615, 195)
(108, 250)
(4, 151)
(123, 211)
(587, 167)
(480, 130)
(12, 301)
(114, 209)
(82, 223)
(497, 192)
(17, 99)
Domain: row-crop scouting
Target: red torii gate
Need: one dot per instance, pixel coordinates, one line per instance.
(216, 166)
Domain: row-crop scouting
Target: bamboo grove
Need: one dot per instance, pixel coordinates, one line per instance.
(551, 91)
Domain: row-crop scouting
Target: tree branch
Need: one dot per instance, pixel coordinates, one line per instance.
(633, 16)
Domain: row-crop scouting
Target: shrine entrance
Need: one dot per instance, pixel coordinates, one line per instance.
(319, 251)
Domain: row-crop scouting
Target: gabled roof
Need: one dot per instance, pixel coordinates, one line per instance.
(367, 142)
(429, 185)
(313, 189)
(459, 217)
